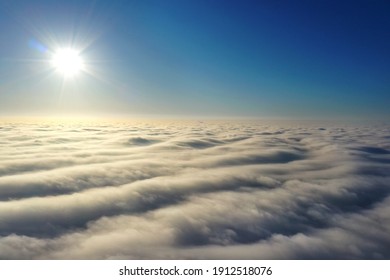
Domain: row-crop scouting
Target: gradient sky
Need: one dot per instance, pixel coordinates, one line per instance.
(214, 58)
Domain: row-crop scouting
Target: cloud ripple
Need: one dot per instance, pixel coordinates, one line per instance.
(194, 190)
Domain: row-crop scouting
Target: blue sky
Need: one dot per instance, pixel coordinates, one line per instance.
(272, 59)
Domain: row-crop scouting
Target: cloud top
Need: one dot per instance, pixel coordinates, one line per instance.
(194, 190)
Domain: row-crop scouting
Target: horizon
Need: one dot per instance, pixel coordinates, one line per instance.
(115, 118)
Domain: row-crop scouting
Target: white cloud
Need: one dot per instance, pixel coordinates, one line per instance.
(194, 190)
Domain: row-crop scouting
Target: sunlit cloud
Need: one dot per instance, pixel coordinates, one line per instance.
(210, 189)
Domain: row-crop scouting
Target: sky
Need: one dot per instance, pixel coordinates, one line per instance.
(256, 59)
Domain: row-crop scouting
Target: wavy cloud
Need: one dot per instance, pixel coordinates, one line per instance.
(194, 190)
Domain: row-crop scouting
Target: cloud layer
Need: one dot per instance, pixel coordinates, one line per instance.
(194, 190)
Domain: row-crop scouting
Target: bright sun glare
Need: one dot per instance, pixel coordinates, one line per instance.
(68, 62)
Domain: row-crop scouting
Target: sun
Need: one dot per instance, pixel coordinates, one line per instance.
(68, 62)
